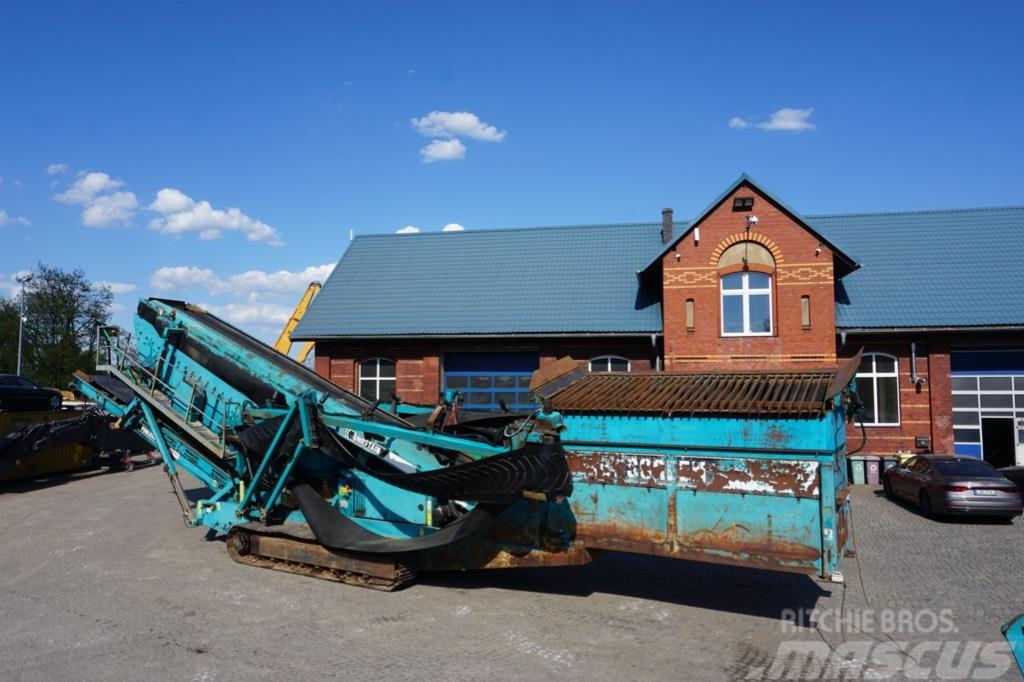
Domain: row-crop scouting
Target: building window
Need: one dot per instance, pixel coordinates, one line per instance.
(689, 314)
(377, 379)
(742, 203)
(747, 304)
(609, 363)
(805, 312)
(878, 385)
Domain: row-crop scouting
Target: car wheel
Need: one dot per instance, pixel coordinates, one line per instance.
(55, 403)
(887, 487)
(924, 500)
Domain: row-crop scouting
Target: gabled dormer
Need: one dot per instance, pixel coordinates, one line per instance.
(748, 284)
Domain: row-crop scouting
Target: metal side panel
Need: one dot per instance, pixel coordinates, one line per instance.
(742, 510)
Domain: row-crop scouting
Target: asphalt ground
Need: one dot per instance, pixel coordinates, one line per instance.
(101, 580)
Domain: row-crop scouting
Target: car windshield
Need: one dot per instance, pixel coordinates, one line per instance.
(964, 467)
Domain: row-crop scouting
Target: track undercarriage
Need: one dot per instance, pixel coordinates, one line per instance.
(294, 549)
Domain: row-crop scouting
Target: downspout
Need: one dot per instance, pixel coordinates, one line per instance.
(657, 356)
(914, 379)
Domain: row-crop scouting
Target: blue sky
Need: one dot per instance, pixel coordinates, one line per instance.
(301, 118)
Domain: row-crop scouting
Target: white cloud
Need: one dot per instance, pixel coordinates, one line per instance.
(249, 283)
(452, 227)
(257, 300)
(786, 118)
(85, 189)
(251, 313)
(117, 287)
(7, 219)
(457, 124)
(19, 184)
(57, 169)
(108, 209)
(10, 283)
(443, 150)
(789, 119)
(103, 205)
(183, 277)
(408, 229)
(182, 214)
(171, 201)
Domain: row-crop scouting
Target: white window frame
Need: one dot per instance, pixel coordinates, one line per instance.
(590, 363)
(376, 378)
(745, 292)
(875, 375)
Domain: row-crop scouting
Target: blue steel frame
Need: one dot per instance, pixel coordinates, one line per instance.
(240, 495)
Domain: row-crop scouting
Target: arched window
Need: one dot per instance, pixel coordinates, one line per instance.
(377, 379)
(878, 385)
(746, 270)
(747, 304)
(609, 363)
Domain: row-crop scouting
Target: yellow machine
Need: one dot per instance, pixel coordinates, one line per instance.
(67, 457)
(284, 341)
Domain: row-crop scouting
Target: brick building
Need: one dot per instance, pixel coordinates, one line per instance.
(934, 297)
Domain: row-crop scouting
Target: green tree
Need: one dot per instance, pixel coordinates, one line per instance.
(8, 335)
(62, 310)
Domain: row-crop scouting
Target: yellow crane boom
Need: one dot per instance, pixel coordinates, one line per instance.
(284, 341)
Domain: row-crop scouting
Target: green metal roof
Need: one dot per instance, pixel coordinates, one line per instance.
(957, 268)
(555, 280)
(951, 268)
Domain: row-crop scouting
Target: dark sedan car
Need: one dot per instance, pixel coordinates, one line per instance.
(953, 485)
(18, 394)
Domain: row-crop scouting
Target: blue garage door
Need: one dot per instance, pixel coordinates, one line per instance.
(988, 404)
(485, 379)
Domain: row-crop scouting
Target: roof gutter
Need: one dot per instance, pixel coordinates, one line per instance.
(903, 330)
(558, 335)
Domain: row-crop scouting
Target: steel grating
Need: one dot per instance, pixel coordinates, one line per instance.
(785, 394)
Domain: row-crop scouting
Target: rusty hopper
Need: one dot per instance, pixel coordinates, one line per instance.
(741, 468)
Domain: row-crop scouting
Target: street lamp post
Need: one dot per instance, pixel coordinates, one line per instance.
(23, 280)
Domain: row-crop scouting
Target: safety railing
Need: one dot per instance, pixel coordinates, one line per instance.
(115, 351)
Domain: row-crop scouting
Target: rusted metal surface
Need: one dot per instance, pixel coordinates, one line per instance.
(287, 548)
(730, 548)
(804, 394)
(845, 373)
(617, 468)
(552, 378)
(485, 555)
(749, 476)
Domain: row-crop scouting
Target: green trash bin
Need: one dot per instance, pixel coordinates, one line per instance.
(857, 470)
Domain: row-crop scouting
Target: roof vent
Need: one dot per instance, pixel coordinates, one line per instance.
(743, 203)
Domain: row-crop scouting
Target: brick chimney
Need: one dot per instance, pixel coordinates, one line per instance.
(666, 225)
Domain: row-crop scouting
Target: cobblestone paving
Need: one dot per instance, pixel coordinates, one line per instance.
(99, 579)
